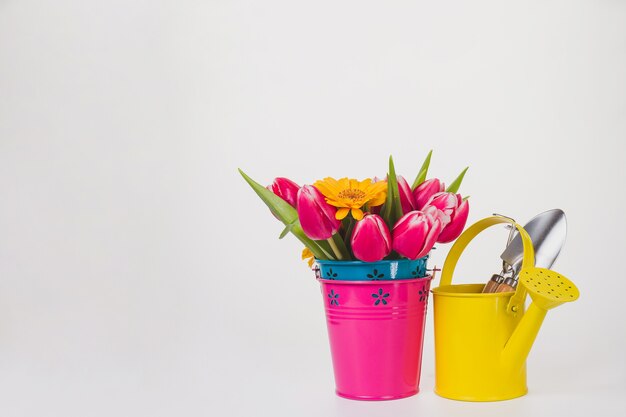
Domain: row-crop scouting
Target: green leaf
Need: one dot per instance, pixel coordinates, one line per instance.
(347, 224)
(392, 209)
(454, 187)
(397, 204)
(288, 215)
(285, 231)
(465, 198)
(421, 176)
(393, 256)
(342, 246)
(325, 246)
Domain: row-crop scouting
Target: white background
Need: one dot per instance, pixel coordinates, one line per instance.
(139, 274)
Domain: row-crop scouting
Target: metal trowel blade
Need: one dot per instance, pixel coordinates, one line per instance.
(548, 231)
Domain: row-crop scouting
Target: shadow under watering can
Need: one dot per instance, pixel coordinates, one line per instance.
(482, 340)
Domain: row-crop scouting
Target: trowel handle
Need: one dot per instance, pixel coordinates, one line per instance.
(493, 283)
(508, 285)
(470, 233)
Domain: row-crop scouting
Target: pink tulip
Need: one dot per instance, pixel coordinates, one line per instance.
(453, 206)
(317, 217)
(371, 240)
(456, 225)
(415, 234)
(285, 189)
(406, 196)
(436, 213)
(446, 202)
(426, 190)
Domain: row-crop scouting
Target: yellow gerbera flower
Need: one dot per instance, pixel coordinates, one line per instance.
(349, 195)
(308, 256)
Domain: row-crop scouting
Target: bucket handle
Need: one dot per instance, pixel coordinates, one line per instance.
(528, 261)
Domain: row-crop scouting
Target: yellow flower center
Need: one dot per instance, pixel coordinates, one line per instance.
(351, 194)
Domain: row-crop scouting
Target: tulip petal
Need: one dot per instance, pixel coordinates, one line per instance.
(410, 233)
(455, 227)
(370, 239)
(406, 196)
(317, 217)
(384, 232)
(431, 238)
(285, 189)
(446, 202)
(434, 213)
(414, 241)
(425, 191)
(404, 219)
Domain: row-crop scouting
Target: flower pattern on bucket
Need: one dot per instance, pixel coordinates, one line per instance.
(381, 297)
(333, 298)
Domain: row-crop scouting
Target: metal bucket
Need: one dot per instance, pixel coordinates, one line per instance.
(376, 333)
(373, 271)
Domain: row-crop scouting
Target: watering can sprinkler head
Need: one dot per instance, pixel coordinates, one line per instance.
(548, 289)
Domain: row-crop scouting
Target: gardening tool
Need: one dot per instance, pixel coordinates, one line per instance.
(482, 340)
(494, 283)
(496, 279)
(547, 231)
(509, 284)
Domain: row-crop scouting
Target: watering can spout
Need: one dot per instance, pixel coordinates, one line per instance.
(547, 289)
(521, 341)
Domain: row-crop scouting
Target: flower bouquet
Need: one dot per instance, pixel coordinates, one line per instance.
(371, 241)
(369, 220)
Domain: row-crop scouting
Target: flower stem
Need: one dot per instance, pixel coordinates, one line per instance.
(348, 226)
(333, 245)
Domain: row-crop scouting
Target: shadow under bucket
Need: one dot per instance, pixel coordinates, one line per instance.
(376, 333)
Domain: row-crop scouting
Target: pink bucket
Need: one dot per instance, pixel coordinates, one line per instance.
(376, 332)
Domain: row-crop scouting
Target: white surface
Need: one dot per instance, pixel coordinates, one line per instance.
(140, 276)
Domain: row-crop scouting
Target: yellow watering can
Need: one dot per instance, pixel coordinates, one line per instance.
(482, 340)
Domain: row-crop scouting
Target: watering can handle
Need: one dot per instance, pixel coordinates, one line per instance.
(528, 261)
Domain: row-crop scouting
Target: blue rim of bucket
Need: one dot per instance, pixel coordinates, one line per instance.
(388, 270)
